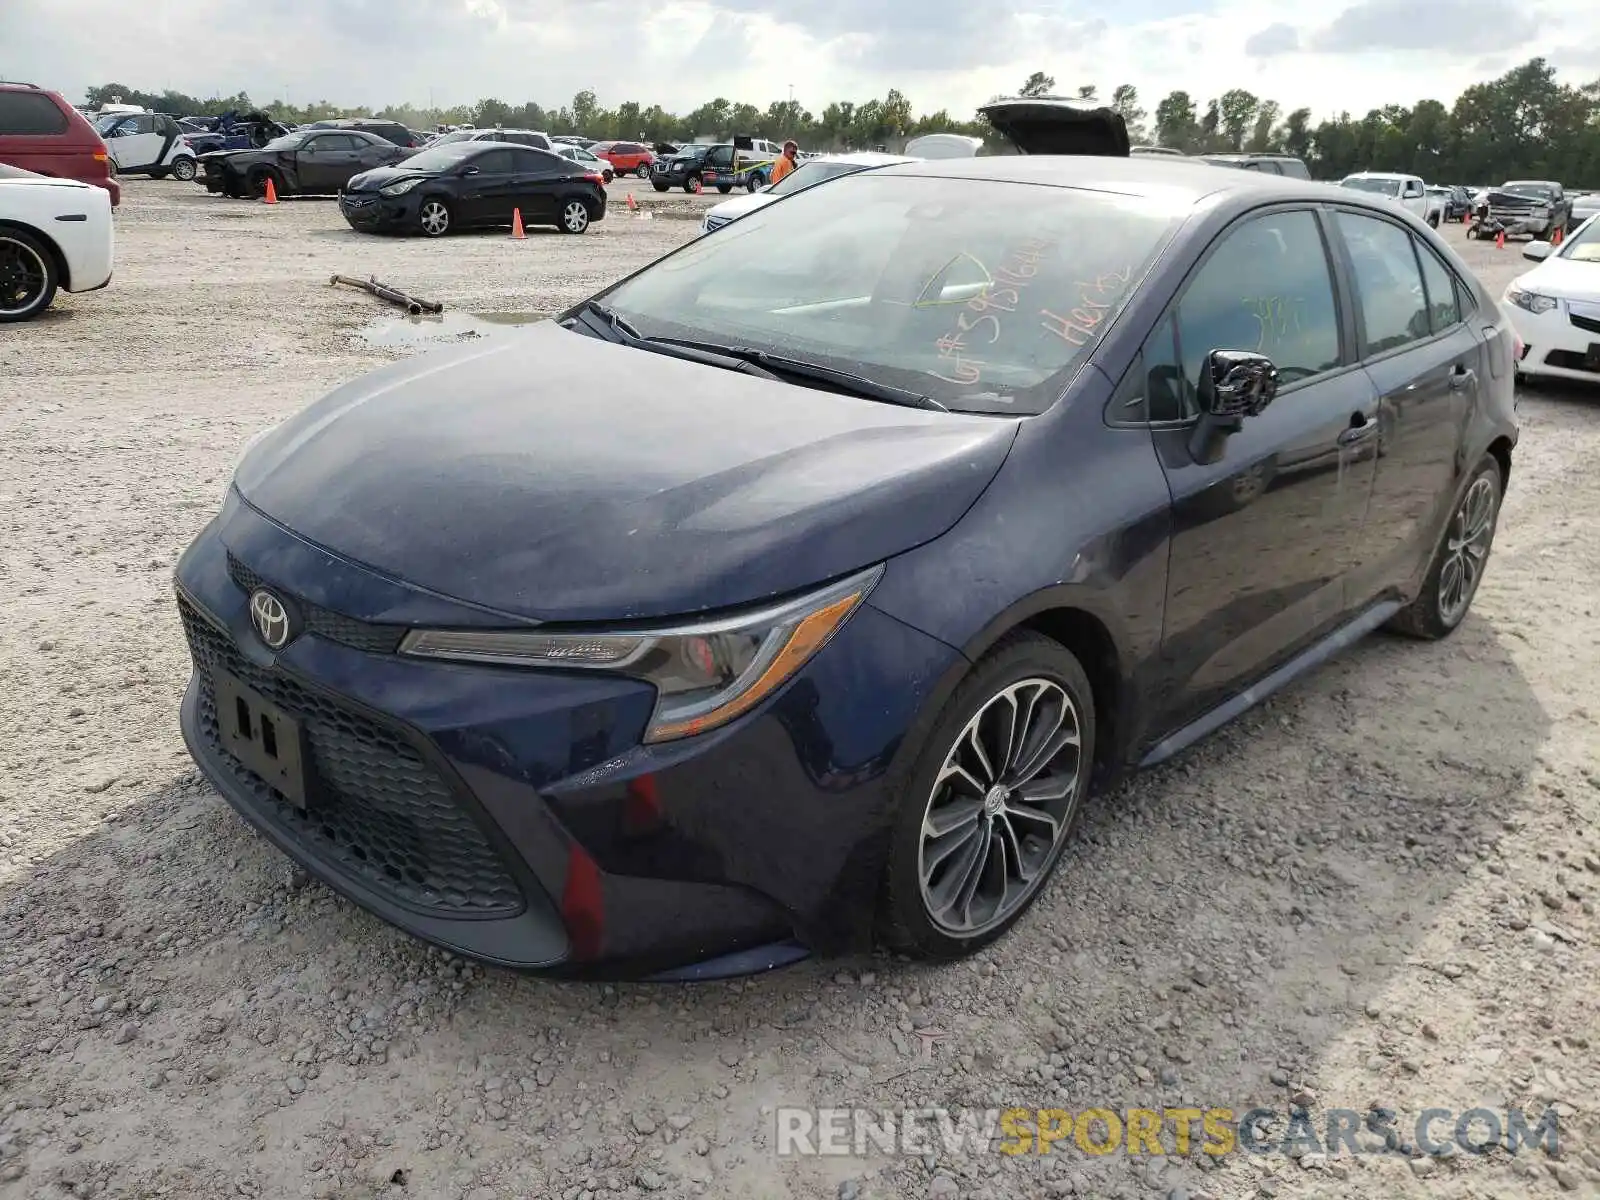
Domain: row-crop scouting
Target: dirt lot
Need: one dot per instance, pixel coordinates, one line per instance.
(1378, 888)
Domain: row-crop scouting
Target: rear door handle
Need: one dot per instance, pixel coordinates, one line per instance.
(1463, 377)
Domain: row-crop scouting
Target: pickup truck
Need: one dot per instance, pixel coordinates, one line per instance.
(1536, 207)
(1408, 191)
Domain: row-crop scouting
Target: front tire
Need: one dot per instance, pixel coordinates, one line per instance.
(991, 800)
(258, 182)
(1459, 561)
(433, 217)
(661, 187)
(1433, 220)
(574, 217)
(184, 169)
(28, 276)
(642, 170)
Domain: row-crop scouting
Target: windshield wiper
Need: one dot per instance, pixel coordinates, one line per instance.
(844, 381)
(614, 323)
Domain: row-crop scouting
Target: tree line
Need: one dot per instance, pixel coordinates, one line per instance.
(1523, 124)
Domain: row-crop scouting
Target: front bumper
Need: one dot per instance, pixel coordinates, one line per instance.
(1563, 343)
(1512, 225)
(513, 816)
(373, 212)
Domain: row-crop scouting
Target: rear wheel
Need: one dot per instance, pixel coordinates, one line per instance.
(28, 276)
(1459, 561)
(574, 217)
(991, 801)
(433, 217)
(184, 169)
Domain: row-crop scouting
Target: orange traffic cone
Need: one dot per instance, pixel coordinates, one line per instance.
(1500, 240)
(272, 193)
(633, 205)
(1556, 241)
(516, 225)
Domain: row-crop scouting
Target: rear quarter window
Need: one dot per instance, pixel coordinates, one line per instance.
(30, 114)
(1294, 168)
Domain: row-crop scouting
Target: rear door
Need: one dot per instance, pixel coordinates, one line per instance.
(718, 167)
(536, 179)
(1426, 361)
(1261, 538)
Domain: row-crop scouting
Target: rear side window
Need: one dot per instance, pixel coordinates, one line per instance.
(1394, 307)
(1293, 168)
(1444, 302)
(31, 114)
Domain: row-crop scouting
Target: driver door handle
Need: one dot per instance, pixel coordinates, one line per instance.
(1361, 427)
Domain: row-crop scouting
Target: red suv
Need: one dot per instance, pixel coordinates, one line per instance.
(41, 132)
(626, 158)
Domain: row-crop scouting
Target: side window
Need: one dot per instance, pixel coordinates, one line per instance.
(1394, 308)
(1164, 394)
(1266, 288)
(31, 114)
(1294, 168)
(722, 156)
(494, 162)
(1444, 308)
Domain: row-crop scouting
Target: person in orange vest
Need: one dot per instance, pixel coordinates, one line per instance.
(785, 161)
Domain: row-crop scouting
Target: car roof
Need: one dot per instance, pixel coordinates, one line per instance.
(1380, 175)
(1185, 183)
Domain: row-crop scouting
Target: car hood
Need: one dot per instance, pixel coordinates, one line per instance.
(1059, 125)
(502, 475)
(381, 177)
(1564, 278)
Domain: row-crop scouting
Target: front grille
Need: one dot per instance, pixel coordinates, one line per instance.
(1587, 324)
(375, 809)
(356, 201)
(336, 627)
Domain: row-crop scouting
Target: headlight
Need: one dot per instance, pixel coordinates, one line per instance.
(401, 188)
(705, 673)
(1530, 301)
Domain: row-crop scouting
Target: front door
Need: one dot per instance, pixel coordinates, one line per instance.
(324, 162)
(134, 142)
(1261, 538)
(487, 194)
(1425, 362)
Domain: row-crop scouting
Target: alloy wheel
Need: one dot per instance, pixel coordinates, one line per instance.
(24, 277)
(1000, 807)
(434, 217)
(183, 170)
(575, 216)
(1466, 550)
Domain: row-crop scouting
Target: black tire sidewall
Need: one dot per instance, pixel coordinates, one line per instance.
(904, 922)
(52, 276)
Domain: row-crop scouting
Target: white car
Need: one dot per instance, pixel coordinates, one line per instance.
(1555, 308)
(812, 171)
(54, 233)
(147, 143)
(1408, 191)
(586, 160)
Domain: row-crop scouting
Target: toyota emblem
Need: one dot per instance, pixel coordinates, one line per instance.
(270, 618)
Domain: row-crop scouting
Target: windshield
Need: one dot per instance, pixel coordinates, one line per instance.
(440, 157)
(104, 124)
(987, 296)
(1534, 191)
(1378, 187)
(1583, 246)
(812, 172)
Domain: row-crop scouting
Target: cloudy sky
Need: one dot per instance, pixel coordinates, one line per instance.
(941, 53)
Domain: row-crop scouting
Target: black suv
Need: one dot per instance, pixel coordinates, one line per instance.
(389, 131)
(1268, 164)
(682, 169)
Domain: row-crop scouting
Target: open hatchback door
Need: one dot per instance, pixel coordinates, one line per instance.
(1057, 125)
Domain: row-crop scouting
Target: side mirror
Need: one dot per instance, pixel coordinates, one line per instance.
(1234, 384)
(1537, 251)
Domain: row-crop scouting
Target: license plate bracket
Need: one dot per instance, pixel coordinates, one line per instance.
(262, 737)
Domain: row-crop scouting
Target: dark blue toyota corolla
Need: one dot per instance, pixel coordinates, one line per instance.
(949, 491)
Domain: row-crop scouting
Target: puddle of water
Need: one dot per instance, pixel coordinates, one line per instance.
(400, 330)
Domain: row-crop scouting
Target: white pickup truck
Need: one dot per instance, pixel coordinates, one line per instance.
(1408, 191)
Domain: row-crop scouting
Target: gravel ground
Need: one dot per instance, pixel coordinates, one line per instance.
(1376, 889)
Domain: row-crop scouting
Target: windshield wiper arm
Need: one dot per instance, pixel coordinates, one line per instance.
(845, 381)
(615, 323)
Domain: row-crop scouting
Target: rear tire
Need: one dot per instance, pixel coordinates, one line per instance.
(28, 276)
(574, 217)
(1459, 561)
(980, 826)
